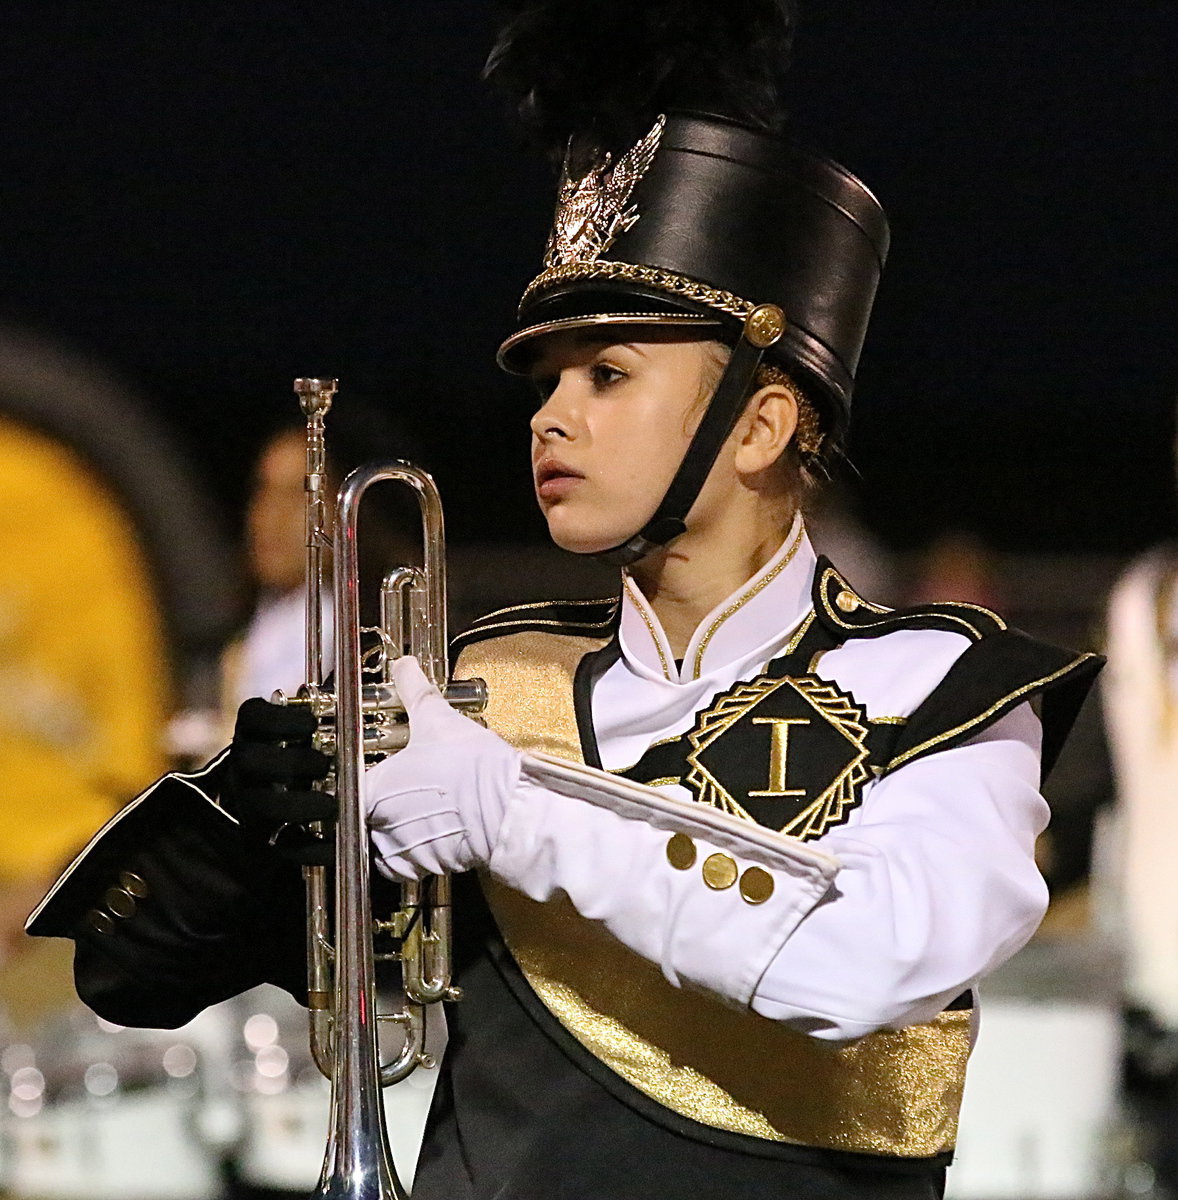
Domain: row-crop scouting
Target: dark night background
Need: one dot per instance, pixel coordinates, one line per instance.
(212, 198)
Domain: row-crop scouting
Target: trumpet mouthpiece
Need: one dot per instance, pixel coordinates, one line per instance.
(315, 394)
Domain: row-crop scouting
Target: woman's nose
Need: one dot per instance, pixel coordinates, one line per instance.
(553, 420)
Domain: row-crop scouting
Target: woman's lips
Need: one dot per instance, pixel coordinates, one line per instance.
(554, 480)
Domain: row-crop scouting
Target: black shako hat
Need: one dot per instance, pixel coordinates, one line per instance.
(708, 217)
(705, 222)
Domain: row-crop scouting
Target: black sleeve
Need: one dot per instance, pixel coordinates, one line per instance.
(172, 909)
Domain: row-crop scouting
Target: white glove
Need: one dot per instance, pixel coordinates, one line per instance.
(437, 805)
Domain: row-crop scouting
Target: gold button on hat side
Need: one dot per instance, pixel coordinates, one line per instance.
(133, 884)
(764, 325)
(681, 852)
(99, 921)
(121, 903)
(719, 871)
(847, 600)
(756, 885)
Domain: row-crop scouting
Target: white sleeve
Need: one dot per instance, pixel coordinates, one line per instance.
(712, 917)
(938, 885)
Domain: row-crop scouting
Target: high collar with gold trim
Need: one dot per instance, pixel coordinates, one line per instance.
(774, 600)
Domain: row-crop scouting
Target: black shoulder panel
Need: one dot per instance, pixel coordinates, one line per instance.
(846, 614)
(1002, 669)
(990, 679)
(575, 618)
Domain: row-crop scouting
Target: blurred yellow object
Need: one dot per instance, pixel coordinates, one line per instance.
(36, 984)
(84, 673)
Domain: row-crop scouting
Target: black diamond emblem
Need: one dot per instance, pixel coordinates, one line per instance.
(788, 752)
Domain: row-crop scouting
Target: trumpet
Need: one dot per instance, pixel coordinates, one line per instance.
(361, 718)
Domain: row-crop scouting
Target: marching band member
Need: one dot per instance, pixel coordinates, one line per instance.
(740, 843)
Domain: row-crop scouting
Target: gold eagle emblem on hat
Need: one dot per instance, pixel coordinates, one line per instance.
(593, 210)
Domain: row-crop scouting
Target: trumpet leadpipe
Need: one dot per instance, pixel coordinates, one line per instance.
(467, 695)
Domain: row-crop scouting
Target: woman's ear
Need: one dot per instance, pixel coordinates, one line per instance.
(768, 425)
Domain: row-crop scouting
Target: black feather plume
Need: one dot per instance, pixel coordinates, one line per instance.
(592, 75)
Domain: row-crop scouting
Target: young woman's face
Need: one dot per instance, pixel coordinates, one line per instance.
(614, 423)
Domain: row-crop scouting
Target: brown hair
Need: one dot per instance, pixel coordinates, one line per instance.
(803, 459)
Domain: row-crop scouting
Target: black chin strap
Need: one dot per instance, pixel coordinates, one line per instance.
(762, 327)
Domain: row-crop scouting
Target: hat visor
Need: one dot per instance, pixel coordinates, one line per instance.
(518, 352)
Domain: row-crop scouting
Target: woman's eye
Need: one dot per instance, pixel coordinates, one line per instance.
(603, 374)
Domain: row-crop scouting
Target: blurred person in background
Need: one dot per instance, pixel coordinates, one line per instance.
(1139, 877)
(959, 566)
(267, 654)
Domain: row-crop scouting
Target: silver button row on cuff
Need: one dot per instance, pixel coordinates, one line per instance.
(120, 902)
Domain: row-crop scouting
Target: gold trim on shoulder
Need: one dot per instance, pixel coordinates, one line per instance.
(543, 604)
(997, 706)
(575, 628)
(831, 575)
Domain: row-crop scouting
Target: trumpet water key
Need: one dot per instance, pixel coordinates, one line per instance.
(361, 718)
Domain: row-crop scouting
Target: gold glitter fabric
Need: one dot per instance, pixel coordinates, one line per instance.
(893, 1092)
(530, 688)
